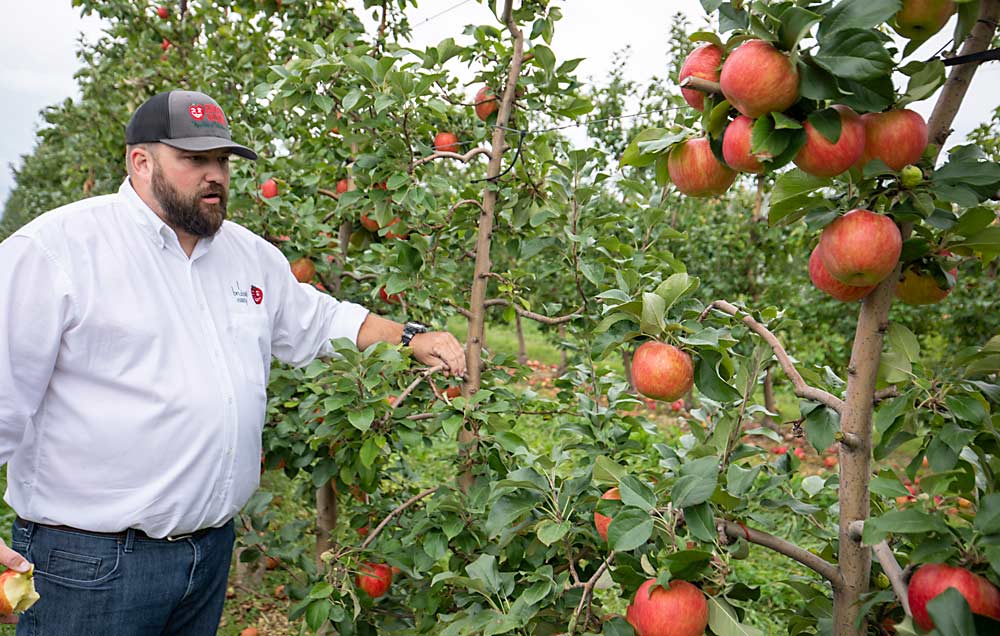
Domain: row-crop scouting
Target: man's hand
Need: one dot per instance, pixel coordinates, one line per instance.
(16, 562)
(439, 347)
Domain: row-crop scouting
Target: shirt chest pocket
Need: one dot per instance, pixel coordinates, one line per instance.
(251, 334)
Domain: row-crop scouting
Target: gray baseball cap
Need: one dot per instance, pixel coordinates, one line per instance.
(187, 120)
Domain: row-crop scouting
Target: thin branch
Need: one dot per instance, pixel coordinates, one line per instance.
(328, 193)
(801, 388)
(890, 566)
(443, 154)
(812, 561)
(420, 378)
(886, 393)
(406, 504)
(588, 590)
(545, 320)
(701, 84)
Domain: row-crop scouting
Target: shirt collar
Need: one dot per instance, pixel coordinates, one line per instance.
(147, 220)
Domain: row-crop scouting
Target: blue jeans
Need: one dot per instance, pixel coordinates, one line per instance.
(104, 586)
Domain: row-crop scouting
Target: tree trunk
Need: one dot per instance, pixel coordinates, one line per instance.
(856, 420)
(326, 518)
(477, 323)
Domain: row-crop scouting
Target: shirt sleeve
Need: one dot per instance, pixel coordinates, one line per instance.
(35, 308)
(307, 320)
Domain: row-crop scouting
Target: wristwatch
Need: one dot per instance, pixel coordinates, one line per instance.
(411, 329)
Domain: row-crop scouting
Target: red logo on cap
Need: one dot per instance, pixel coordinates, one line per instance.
(257, 293)
(197, 112)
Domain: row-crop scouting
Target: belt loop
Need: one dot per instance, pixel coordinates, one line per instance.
(28, 528)
(129, 540)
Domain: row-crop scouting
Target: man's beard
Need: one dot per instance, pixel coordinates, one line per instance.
(191, 215)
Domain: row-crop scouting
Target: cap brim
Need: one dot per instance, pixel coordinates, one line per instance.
(202, 144)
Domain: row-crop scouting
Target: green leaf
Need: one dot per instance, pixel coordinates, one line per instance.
(985, 243)
(857, 14)
(909, 521)
(629, 529)
(545, 57)
(924, 82)
(687, 564)
(827, 122)
(739, 480)
(951, 614)
(816, 83)
(691, 490)
(795, 24)
(869, 96)
(700, 521)
(855, 54)
(967, 408)
(606, 470)
(706, 36)
(653, 310)
(508, 509)
(822, 424)
(988, 515)
(813, 484)
(766, 141)
(317, 613)
(361, 419)
(723, 620)
(549, 531)
(633, 156)
(903, 340)
(708, 380)
(675, 287)
(351, 99)
(370, 450)
(636, 494)
(485, 570)
(794, 192)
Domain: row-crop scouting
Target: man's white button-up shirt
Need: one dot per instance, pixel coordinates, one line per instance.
(132, 378)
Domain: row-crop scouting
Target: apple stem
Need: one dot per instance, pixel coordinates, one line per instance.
(802, 389)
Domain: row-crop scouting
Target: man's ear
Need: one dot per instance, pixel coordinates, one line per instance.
(140, 160)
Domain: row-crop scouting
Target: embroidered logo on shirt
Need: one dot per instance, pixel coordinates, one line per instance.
(257, 294)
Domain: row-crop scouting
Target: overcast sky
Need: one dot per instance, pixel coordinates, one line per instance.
(38, 42)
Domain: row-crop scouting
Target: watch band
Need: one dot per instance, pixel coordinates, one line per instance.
(411, 329)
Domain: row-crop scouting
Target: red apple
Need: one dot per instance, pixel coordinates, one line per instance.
(702, 62)
(662, 371)
(921, 288)
(303, 270)
(897, 137)
(736, 146)
(17, 591)
(829, 461)
(603, 521)
(758, 79)
(830, 285)
(269, 189)
(800, 452)
(249, 631)
(446, 142)
(695, 170)
(342, 186)
(920, 19)
(372, 225)
(680, 610)
(486, 103)
(822, 158)
(860, 248)
(163, 12)
(165, 44)
(675, 406)
(392, 299)
(374, 579)
(453, 392)
(272, 563)
(780, 450)
(932, 579)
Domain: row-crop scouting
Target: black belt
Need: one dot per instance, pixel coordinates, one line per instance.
(138, 534)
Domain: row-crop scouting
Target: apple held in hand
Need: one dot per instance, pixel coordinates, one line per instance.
(897, 137)
(695, 170)
(703, 62)
(680, 610)
(662, 371)
(830, 285)
(374, 579)
(736, 146)
(860, 248)
(821, 157)
(932, 579)
(446, 142)
(269, 189)
(17, 591)
(758, 79)
(920, 19)
(601, 522)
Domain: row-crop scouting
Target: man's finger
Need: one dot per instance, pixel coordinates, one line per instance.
(12, 559)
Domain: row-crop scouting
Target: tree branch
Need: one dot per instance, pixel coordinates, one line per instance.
(701, 84)
(442, 154)
(890, 566)
(812, 561)
(801, 388)
(588, 590)
(400, 508)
